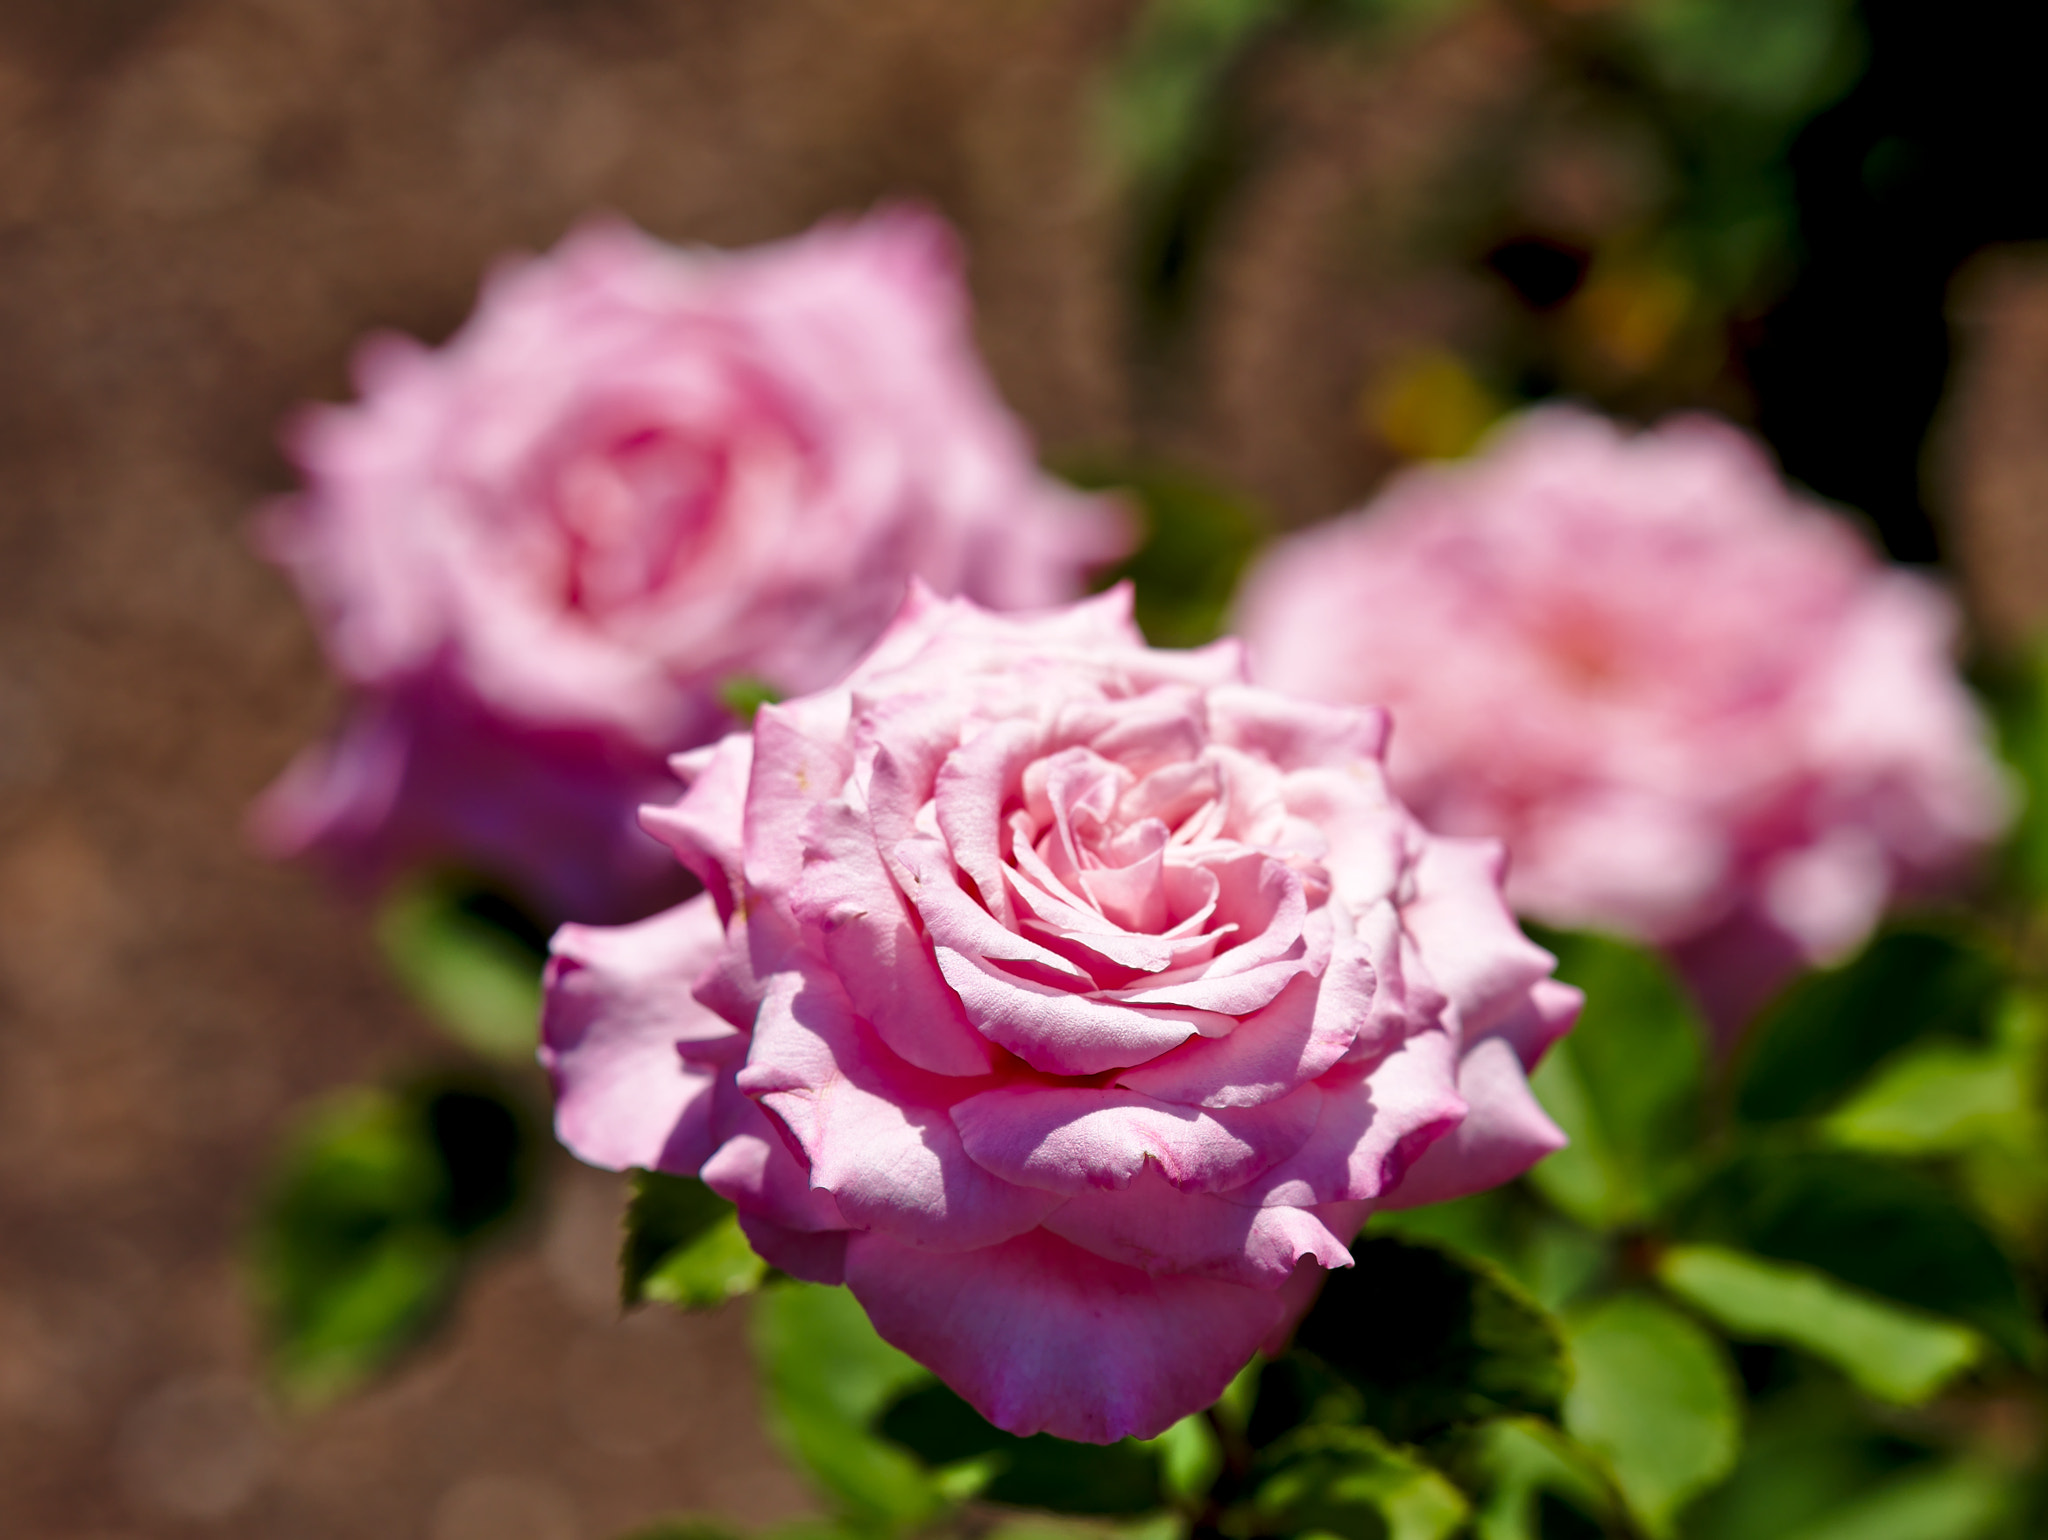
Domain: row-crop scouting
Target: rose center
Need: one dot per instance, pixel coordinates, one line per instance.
(633, 513)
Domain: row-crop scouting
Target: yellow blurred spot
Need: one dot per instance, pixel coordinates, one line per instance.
(1632, 314)
(1428, 406)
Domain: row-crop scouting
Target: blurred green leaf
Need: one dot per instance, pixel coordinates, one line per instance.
(1944, 1502)
(1470, 1343)
(943, 1431)
(1190, 1457)
(1654, 1395)
(1553, 1258)
(470, 959)
(1809, 1450)
(743, 695)
(1516, 1468)
(1878, 1225)
(1778, 59)
(1893, 1353)
(828, 1377)
(1832, 1028)
(1934, 1098)
(683, 1245)
(1351, 1482)
(1197, 541)
(2017, 694)
(358, 1242)
(1624, 1085)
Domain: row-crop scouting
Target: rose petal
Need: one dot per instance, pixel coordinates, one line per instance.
(1505, 1131)
(704, 826)
(1302, 1034)
(1153, 1226)
(1370, 1127)
(1071, 1139)
(859, 920)
(1041, 1336)
(876, 1130)
(816, 1256)
(618, 1004)
(1477, 955)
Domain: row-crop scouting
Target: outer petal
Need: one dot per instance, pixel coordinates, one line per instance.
(1505, 1132)
(1474, 950)
(816, 1256)
(705, 826)
(876, 1130)
(1042, 1336)
(1070, 1139)
(1371, 1128)
(851, 908)
(1153, 1226)
(618, 1009)
(1298, 1037)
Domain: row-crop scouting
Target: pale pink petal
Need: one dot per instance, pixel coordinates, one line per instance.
(1475, 952)
(618, 1007)
(877, 1131)
(1303, 1033)
(858, 919)
(1370, 1127)
(1154, 1226)
(1070, 1139)
(1505, 1132)
(704, 827)
(1041, 1336)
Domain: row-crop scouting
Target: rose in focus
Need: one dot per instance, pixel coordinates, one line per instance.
(1073, 1002)
(638, 474)
(1697, 708)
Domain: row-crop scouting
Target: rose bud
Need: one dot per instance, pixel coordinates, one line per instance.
(1074, 1002)
(636, 476)
(1701, 713)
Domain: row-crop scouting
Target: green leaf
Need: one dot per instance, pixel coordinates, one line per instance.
(1197, 541)
(1779, 59)
(1190, 1457)
(1895, 1354)
(1654, 1395)
(1883, 1227)
(471, 959)
(1352, 1482)
(1516, 1468)
(744, 695)
(1832, 1028)
(828, 1377)
(358, 1241)
(1550, 1256)
(1432, 1340)
(1624, 1085)
(1945, 1502)
(1945, 1097)
(683, 1246)
(943, 1431)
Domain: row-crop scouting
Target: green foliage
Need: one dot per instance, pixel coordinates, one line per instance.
(1941, 1502)
(1351, 1482)
(743, 695)
(1655, 1396)
(1197, 540)
(1892, 1353)
(683, 1245)
(1625, 1085)
(1832, 1028)
(1530, 1481)
(1037, 1472)
(1431, 1340)
(1889, 1229)
(828, 1377)
(472, 960)
(361, 1234)
(1774, 59)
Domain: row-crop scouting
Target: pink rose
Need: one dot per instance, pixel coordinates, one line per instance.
(637, 473)
(1695, 706)
(1074, 1002)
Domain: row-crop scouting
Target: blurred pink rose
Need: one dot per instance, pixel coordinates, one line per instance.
(1074, 1002)
(1697, 708)
(637, 473)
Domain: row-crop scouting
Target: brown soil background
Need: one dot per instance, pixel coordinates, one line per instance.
(202, 204)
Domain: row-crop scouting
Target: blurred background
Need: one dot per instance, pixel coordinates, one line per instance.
(1260, 251)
